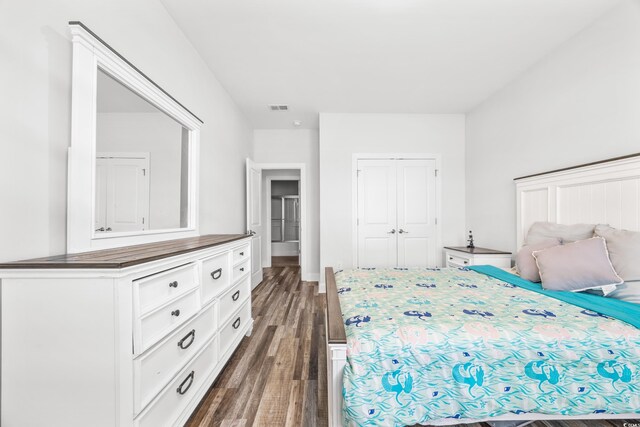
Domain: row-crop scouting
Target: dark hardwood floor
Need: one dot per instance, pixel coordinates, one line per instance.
(277, 377)
(285, 261)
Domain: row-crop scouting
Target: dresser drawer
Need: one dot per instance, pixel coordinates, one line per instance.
(154, 369)
(216, 276)
(240, 254)
(241, 270)
(457, 261)
(231, 301)
(154, 291)
(231, 331)
(153, 326)
(172, 401)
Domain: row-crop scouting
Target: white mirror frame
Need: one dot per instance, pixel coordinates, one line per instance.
(89, 54)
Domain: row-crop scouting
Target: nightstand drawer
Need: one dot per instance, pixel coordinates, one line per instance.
(457, 261)
(466, 257)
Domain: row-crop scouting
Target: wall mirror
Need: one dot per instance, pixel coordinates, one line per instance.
(133, 155)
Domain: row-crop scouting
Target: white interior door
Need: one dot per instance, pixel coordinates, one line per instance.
(377, 222)
(416, 208)
(254, 221)
(122, 194)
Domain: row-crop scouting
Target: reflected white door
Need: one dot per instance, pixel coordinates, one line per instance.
(416, 207)
(254, 221)
(122, 194)
(377, 223)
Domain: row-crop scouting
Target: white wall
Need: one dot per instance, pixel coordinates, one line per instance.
(160, 137)
(296, 146)
(579, 104)
(342, 135)
(35, 83)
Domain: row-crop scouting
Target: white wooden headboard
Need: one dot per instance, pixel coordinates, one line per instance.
(606, 192)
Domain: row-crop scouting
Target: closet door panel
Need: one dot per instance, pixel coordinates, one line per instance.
(416, 209)
(377, 242)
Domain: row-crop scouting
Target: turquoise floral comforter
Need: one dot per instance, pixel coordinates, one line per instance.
(431, 344)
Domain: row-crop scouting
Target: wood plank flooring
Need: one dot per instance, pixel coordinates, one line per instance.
(277, 377)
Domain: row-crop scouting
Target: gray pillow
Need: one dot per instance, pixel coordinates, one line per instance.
(525, 262)
(577, 266)
(624, 250)
(541, 231)
(628, 291)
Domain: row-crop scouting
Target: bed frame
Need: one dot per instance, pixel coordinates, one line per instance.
(605, 192)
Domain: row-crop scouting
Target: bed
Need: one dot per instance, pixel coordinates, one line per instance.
(449, 346)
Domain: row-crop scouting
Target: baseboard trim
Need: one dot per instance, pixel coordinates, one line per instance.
(311, 277)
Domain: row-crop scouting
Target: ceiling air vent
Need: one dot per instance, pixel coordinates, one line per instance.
(278, 107)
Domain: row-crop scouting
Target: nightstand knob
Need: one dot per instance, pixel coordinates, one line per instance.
(402, 231)
(450, 258)
(393, 231)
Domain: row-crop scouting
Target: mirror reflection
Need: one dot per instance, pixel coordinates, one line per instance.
(141, 163)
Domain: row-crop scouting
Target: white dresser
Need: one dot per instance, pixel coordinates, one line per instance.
(132, 336)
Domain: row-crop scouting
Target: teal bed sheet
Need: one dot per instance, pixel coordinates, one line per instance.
(431, 344)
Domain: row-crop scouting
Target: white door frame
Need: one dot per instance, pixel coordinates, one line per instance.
(391, 156)
(304, 241)
(267, 253)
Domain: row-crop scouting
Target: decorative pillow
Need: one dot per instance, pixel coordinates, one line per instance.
(624, 250)
(577, 266)
(541, 231)
(525, 262)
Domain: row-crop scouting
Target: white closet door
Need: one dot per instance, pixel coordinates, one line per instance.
(416, 207)
(377, 231)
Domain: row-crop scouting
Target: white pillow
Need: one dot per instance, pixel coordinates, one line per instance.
(577, 266)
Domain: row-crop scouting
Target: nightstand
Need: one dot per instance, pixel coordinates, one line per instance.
(461, 256)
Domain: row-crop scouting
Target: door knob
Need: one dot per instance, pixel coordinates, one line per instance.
(393, 231)
(402, 231)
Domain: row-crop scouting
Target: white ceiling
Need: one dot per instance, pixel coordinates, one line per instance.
(373, 56)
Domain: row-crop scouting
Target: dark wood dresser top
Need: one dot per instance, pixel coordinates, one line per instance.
(477, 250)
(126, 256)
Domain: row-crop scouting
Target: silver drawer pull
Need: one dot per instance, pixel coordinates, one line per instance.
(191, 334)
(190, 380)
(216, 274)
(236, 295)
(175, 313)
(173, 284)
(241, 253)
(241, 268)
(236, 324)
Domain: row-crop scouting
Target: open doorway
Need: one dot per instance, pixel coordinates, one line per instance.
(285, 223)
(294, 244)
